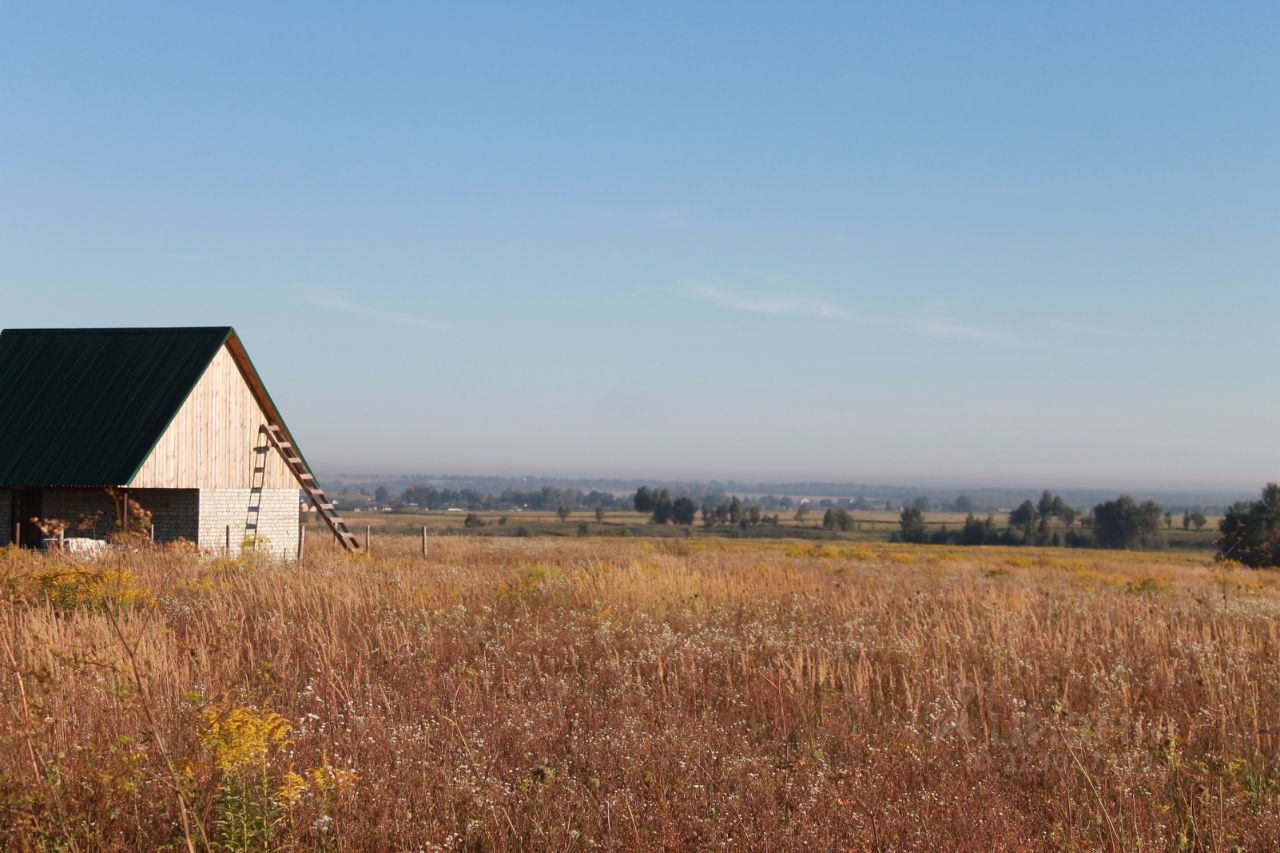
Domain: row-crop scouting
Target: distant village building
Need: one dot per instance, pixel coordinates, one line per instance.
(95, 423)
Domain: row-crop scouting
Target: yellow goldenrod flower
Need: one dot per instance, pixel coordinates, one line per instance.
(329, 779)
(291, 789)
(243, 738)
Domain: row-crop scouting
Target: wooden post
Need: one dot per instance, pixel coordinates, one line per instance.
(153, 533)
(424, 540)
(368, 538)
(62, 541)
(302, 538)
(17, 533)
(228, 549)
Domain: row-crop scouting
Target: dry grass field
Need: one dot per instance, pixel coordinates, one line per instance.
(572, 694)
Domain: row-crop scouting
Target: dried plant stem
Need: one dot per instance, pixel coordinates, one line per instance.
(1116, 843)
(28, 730)
(144, 699)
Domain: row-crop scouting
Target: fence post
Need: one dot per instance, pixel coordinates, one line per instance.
(302, 538)
(17, 533)
(424, 540)
(62, 541)
(228, 549)
(368, 539)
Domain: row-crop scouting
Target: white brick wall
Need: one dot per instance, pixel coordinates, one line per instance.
(200, 516)
(277, 520)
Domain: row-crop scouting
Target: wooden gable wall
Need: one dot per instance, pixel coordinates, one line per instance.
(209, 444)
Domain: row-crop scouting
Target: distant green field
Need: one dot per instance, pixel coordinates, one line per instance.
(868, 526)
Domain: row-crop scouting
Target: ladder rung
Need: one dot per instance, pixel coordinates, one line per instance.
(307, 480)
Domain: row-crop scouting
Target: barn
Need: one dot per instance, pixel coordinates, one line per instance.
(173, 426)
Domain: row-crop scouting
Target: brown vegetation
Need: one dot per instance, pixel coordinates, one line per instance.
(571, 694)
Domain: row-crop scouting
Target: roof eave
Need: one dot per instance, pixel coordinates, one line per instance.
(247, 369)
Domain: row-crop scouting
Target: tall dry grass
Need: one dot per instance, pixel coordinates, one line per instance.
(573, 694)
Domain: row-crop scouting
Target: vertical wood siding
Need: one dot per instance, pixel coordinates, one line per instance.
(210, 443)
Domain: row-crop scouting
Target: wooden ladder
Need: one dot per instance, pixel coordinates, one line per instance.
(324, 506)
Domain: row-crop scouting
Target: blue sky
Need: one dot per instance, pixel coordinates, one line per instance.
(929, 243)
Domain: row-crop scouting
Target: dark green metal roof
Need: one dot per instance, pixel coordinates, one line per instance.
(84, 407)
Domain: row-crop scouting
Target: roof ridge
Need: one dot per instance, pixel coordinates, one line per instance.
(100, 330)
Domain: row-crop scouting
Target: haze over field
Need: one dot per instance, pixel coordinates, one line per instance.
(968, 246)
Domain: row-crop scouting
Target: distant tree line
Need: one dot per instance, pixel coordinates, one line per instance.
(1250, 531)
(662, 508)
(1122, 523)
(548, 498)
(716, 510)
(837, 519)
(924, 503)
(719, 509)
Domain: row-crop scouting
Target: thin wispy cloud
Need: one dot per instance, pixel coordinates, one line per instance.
(331, 300)
(785, 306)
(956, 332)
(1099, 331)
(807, 307)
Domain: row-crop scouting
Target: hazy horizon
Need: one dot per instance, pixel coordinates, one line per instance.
(978, 244)
(1239, 490)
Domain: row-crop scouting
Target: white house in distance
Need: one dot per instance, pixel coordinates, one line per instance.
(174, 420)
